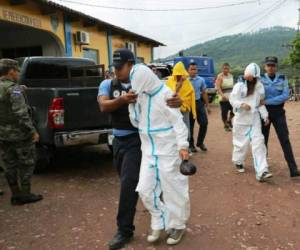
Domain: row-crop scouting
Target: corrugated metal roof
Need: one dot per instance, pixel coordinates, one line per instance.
(101, 22)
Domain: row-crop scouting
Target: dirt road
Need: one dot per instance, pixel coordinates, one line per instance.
(229, 210)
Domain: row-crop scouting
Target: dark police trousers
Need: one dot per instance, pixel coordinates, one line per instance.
(202, 121)
(278, 119)
(127, 159)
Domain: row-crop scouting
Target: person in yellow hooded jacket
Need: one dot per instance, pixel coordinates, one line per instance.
(182, 87)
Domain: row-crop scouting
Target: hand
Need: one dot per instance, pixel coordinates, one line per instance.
(262, 102)
(23, 87)
(184, 154)
(245, 106)
(174, 102)
(130, 97)
(267, 122)
(224, 98)
(208, 109)
(36, 137)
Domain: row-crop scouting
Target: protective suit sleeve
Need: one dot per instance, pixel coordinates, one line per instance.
(193, 105)
(263, 112)
(234, 97)
(174, 116)
(134, 114)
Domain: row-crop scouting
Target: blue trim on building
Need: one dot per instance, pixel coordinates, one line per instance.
(68, 37)
(109, 49)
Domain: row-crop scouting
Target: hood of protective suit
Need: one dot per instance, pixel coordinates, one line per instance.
(179, 70)
(252, 70)
(143, 80)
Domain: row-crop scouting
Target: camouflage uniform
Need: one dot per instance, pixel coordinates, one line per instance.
(17, 148)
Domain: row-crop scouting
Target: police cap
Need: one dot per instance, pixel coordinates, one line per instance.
(271, 60)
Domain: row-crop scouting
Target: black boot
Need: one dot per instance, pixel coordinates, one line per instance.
(15, 199)
(15, 190)
(119, 241)
(27, 196)
(295, 174)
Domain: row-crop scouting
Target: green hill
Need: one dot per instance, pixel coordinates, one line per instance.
(241, 49)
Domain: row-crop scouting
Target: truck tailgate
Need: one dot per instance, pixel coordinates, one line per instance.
(82, 110)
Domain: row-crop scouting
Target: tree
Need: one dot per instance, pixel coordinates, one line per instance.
(294, 57)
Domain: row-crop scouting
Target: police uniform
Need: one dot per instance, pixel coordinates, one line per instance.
(199, 88)
(127, 154)
(276, 94)
(16, 142)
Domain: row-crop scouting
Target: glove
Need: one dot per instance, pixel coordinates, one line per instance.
(187, 168)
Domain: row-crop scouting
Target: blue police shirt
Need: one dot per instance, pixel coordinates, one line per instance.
(277, 90)
(199, 86)
(104, 90)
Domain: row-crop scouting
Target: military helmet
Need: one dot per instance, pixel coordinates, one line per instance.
(8, 64)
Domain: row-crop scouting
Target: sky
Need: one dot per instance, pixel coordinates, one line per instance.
(180, 24)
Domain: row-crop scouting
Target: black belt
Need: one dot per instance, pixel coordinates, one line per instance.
(126, 137)
(275, 107)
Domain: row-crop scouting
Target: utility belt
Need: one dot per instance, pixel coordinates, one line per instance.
(275, 107)
(127, 137)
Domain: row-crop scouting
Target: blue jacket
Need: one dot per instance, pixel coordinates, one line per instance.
(276, 91)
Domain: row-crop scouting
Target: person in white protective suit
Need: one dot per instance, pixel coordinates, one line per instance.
(164, 138)
(246, 100)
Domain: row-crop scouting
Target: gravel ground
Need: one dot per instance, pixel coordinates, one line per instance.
(229, 210)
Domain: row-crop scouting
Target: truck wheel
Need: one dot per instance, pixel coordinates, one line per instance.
(44, 159)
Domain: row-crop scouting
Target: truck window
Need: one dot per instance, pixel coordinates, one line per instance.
(46, 70)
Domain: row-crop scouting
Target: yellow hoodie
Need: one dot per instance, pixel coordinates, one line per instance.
(186, 92)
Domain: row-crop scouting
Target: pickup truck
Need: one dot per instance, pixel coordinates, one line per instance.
(62, 95)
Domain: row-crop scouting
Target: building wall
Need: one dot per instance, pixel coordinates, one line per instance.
(142, 50)
(98, 41)
(31, 16)
(145, 51)
(23, 38)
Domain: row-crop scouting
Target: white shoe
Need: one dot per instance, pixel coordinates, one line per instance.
(240, 168)
(154, 236)
(265, 176)
(175, 236)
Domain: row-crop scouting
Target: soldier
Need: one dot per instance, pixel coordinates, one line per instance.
(17, 135)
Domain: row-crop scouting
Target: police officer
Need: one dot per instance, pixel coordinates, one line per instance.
(202, 105)
(17, 135)
(276, 94)
(114, 97)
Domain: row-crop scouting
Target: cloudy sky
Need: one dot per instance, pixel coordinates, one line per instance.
(180, 24)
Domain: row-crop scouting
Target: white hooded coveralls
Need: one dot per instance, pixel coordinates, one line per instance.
(247, 126)
(163, 133)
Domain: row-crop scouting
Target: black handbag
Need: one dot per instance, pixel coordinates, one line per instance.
(187, 168)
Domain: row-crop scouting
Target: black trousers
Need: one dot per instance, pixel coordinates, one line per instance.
(203, 124)
(225, 109)
(278, 119)
(127, 159)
